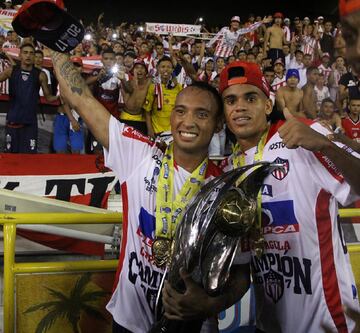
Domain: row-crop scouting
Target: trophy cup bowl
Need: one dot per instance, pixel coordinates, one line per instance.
(208, 236)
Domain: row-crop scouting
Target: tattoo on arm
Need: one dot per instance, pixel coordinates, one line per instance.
(68, 72)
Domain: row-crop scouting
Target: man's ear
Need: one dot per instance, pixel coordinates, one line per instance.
(268, 106)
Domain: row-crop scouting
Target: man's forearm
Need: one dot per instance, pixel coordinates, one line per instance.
(76, 92)
(71, 83)
(346, 163)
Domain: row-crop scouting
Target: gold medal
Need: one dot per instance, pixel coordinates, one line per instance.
(161, 250)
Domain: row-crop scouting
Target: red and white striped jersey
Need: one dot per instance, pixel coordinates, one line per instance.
(4, 86)
(308, 45)
(207, 78)
(326, 71)
(227, 39)
(150, 64)
(137, 161)
(287, 33)
(278, 82)
(304, 276)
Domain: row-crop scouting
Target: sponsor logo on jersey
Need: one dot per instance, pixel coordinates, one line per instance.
(146, 226)
(132, 133)
(266, 190)
(281, 173)
(151, 183)
(277, 145)
(330, 166)
(146, 231)
(278, 217)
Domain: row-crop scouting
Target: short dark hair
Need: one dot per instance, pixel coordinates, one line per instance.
(311, 69)
(39, 52)
(268, 69)
(27, 45)
(165, 58)
(159, 44)
(204, 86)
(327, 100)
(107, 50)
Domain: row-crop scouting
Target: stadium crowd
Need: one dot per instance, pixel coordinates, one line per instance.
(141, 74)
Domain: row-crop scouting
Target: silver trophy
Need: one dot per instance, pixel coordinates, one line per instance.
(207, 239)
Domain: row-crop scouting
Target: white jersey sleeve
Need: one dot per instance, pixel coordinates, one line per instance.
(127, 148)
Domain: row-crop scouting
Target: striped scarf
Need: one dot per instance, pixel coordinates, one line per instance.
(159, 92)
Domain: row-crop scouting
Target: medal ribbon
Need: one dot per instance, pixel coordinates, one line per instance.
(239, 161)
(169, 211)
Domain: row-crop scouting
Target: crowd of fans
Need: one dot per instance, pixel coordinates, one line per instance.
(301, 58)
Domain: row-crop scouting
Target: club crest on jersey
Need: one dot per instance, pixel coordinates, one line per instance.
(278, 217)
(25, 77)
(281, 173)
(274, 285)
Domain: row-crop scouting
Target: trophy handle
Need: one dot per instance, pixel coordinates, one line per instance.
(158, 302)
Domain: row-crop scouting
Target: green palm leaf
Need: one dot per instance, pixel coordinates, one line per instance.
(93, 296)
(42, 306)
(80, 285)
(93, 312)
(47, 321)
(57, 294)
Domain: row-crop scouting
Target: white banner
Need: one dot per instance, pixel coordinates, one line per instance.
(6, 17)
(175, 29)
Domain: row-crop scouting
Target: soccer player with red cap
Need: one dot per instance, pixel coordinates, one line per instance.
(303, 278)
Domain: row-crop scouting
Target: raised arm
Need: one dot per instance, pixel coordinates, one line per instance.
(75, 91)
(309, 103)
(280, 99)
(217, 37)
(252, 27)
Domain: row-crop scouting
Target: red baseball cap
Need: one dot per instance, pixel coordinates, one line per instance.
(278, 15)
(347, 7)
(241, 72)
(49, 24)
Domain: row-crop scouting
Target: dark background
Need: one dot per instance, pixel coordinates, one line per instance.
(215, 12)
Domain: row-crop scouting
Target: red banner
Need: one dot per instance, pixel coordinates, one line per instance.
(81, 179)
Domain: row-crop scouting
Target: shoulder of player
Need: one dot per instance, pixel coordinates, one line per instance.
(132, 134)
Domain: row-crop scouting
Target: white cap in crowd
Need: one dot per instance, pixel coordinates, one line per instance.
(235, 18)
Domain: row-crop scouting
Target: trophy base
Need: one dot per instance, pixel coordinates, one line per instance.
(165, 325)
